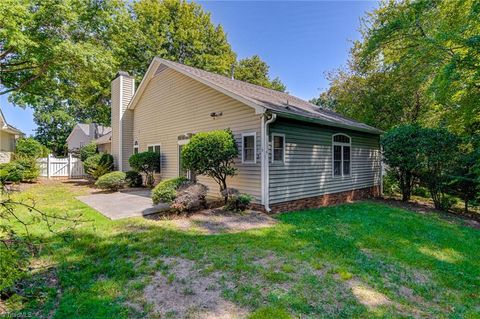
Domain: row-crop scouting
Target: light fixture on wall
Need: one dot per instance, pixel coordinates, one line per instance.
(214, 115)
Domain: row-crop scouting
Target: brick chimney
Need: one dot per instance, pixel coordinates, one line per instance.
(123, 88)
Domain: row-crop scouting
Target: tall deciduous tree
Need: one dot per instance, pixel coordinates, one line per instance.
(59, 50)
(62, 55)
(175, 30)
(54, 124)
(417, 62)
(256, 71)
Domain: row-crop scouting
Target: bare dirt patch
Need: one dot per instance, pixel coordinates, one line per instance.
(184, 292)
(214, 221)
(366, 295)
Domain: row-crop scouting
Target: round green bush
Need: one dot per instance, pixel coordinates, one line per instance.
(11, 172)
(31, 172)
(238, 202)
(28, 147)
(166, 191)
(134, 179)
(112, 181)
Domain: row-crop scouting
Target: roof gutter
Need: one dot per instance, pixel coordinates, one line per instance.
(267, 119)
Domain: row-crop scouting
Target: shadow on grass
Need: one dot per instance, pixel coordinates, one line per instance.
(377, 245)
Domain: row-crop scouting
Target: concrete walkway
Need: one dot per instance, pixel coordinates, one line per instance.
(123, 204)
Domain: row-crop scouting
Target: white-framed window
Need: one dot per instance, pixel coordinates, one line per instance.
(341, 155)
(157, 148)
(278, 148)
(249, 147)
(135, 147)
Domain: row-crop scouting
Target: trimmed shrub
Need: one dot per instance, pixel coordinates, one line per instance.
(236, 201)
(28, 147)
(190, 197)
(87, 151)
(112, 181)
(11, 172)
(146, 162)
(31, 171)
(166, 191)
(98, 165)
(134, 179)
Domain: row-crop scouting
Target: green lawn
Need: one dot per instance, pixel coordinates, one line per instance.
(355, 260)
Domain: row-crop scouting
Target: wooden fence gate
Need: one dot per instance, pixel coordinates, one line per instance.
(58, 167)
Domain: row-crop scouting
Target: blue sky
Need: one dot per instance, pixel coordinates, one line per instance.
(301, 41)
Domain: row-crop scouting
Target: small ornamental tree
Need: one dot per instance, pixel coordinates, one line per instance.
(401, 154)
(212, 154)
(147, 163)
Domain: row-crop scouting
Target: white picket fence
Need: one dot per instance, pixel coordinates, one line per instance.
(58, 167)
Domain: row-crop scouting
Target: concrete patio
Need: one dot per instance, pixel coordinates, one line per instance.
(123, 204)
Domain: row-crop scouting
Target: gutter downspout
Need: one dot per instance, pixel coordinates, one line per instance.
(265, 160)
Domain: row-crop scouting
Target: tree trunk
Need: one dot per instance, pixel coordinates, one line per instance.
(466, 206)
(223, 185)
(406, 182)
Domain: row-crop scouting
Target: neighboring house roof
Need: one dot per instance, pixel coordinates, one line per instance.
(7, 127)
(258, 97)
(105, 139)
(86, 128)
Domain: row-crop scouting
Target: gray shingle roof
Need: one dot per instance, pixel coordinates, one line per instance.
(104, 139)
(278, 102)
(101, 130)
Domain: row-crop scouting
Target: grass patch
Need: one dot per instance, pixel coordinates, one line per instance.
(270, 312)
(318, 263)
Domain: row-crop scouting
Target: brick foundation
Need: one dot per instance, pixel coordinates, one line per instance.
(323, 200)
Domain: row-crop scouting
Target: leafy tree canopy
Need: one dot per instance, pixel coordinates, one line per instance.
(417, 62)
(59, 57)
(54, 124)
(256, 71)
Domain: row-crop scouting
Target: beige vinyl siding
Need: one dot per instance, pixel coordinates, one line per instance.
(174, 104)
(307, 170)
(115, 120)
(122, 120)
(7, 142)
(105, 148)
(77, 139)
(127, 147)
